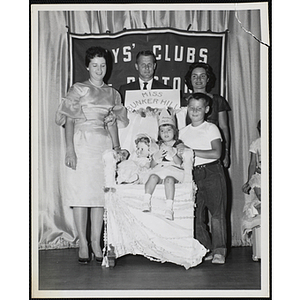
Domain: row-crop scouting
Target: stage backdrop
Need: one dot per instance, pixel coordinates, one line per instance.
(56, 228)
(175, 50)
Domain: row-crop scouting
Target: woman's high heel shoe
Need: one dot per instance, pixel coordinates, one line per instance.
(85, 261)
(98, 259)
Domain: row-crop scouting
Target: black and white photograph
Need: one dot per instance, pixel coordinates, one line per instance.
(150, 150)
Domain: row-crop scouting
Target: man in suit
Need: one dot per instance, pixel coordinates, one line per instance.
(145, 64)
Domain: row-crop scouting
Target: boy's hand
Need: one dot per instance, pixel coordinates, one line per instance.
(226, 160)
(180, 149)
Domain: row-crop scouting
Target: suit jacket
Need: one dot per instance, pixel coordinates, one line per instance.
(135, 85)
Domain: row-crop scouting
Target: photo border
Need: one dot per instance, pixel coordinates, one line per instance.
(265, 116)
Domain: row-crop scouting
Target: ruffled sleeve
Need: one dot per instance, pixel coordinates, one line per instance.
(120, 111)
(222, 103)
(254, 146)
(70, 106)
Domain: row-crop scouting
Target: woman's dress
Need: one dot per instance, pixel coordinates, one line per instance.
(88, 105)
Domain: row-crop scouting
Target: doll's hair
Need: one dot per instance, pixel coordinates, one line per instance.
(143, 139)
(209, 72)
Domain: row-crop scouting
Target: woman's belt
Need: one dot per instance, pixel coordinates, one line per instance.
(207, 165)
(96, 115)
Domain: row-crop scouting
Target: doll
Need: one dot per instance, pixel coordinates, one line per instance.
(135, 170)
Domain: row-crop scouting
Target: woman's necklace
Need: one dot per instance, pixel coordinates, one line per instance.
(98, 86)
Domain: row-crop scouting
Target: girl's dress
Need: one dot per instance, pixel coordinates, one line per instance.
(251, 212)
(255, 148)
(167, 167)
(88, 105)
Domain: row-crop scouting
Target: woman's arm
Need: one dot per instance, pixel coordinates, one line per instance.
(70, 159)
(114, 135)
(224, 126)
(120, 111)
(214, 152)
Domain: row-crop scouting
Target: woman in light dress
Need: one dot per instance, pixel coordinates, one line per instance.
(91, 113)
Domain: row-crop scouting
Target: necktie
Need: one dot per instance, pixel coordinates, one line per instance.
(145, 85)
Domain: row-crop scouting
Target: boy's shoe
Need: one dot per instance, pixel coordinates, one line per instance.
(209, 256)
(146, 206)
(218, 259)
(169, 214)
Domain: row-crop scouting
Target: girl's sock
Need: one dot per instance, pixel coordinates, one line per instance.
(169, 204)
(147, 197)
(169, 214)
(146, 202)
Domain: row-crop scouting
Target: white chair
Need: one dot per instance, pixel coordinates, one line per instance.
(128, 230)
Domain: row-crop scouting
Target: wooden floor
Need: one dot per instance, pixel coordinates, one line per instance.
(59, 270)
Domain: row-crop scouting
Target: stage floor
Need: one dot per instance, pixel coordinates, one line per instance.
(59, 270)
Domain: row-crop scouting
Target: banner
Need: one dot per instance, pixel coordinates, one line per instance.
(175, 50)
(134, 100)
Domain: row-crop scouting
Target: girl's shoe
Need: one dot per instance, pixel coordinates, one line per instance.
(169, 214)
(146, 206)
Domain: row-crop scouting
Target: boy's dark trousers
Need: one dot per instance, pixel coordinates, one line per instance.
(211, 194)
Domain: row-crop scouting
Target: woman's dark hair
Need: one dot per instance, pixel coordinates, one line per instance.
(209, 72)
(198, 96)
(95, 52)
(176, 133)
(146, 53)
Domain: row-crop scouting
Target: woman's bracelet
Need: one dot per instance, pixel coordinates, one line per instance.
(117, 148)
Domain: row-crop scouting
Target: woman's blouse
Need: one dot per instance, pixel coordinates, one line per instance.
(87, 103)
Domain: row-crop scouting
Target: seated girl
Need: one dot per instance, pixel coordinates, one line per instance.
(165, 164)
